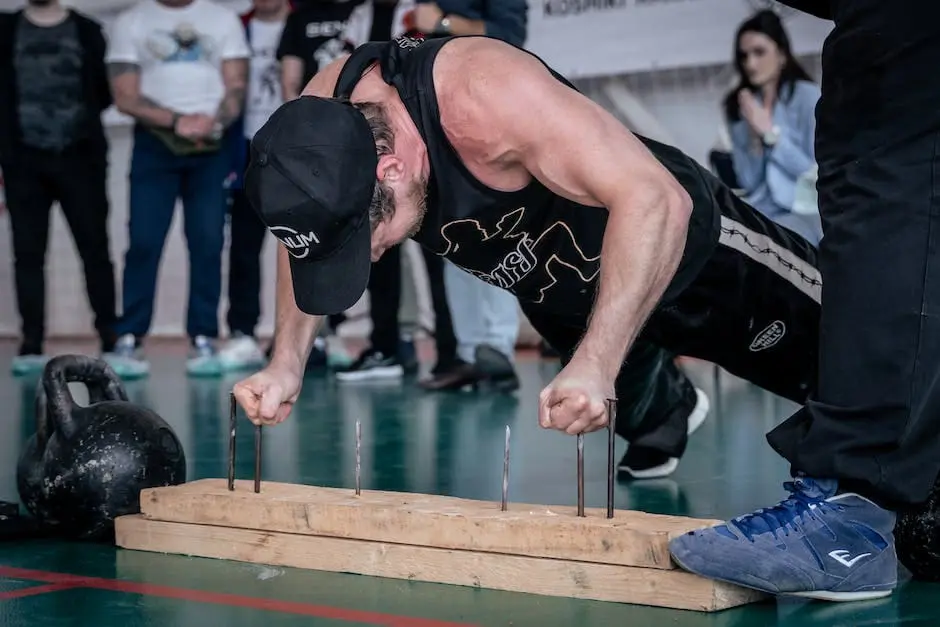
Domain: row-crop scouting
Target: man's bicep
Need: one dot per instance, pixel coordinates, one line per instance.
(125, 79)
(535, 121)
(292, 75)
(578, 149)
(234, 72)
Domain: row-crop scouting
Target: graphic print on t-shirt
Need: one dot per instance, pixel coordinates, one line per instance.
(540, 260)
(330, 51)
(48, 62)
(264, 75)
(182, 44)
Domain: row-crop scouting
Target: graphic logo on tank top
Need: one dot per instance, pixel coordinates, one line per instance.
(769, 337)
(543, 258)
(407, 42)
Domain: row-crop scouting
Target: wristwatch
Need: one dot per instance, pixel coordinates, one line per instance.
(771, 137)
(217, 131)
(443, 26)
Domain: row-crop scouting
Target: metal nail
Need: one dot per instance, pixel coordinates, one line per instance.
(505, 504)
(358, 458)
(581, 475)
(231, 441)
(611, 427)
(257, 458)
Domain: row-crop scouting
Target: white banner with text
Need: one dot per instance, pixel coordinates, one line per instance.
(586, 38)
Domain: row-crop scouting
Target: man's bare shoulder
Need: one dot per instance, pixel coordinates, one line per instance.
(324, 82)
(468, 65)
(486, 88)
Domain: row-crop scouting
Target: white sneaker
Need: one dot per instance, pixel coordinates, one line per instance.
(241, 352)
(28, 364)
(127, 359)
(203, 360)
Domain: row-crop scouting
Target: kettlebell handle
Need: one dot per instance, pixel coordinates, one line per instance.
(55, 405)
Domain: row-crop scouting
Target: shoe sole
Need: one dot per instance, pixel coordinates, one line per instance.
(696, 418)
(841, 597)
(383, 373)
(816, 595)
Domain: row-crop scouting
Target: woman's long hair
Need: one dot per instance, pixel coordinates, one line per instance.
(767, 23)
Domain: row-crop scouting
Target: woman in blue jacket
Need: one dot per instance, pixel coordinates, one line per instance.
(772, 122)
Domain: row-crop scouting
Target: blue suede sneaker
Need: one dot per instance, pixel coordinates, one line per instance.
(815, 544)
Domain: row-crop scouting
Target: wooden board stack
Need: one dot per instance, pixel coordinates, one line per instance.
(536, 549)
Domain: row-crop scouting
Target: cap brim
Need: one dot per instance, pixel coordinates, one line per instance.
(333, 285)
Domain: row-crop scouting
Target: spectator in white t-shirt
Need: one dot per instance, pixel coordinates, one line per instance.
(179, 68)
(263, 25)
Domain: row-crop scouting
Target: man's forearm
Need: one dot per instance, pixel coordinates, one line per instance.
(292, 69)
(460, 25)
(294, 331)
(135, 104)
(642, 247)
(233, 100)
(148, 112)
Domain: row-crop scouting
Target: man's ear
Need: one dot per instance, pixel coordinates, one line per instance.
(390, 169)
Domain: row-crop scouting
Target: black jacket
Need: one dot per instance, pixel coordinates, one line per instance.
(95, 80)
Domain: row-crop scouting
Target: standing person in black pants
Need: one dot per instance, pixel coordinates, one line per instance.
(485, 317)
(506, 20)
(871, 424)
(263, 24)
(389, 355)
(308, 34)
(53, 90)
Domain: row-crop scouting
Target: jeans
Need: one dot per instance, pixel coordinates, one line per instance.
(157, 178)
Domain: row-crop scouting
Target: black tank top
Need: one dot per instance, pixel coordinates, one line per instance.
(542, 247)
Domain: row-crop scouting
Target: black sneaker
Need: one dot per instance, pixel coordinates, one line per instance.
(372, 365)
(496, 369)
(643, 462)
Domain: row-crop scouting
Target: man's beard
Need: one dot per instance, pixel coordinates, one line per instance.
(385, 204)
(418, 195)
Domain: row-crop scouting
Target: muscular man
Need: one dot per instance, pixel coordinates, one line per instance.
(621, 251)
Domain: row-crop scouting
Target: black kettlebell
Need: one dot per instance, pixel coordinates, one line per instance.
(85, 466)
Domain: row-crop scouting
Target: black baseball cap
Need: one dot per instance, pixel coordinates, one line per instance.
(310, 177)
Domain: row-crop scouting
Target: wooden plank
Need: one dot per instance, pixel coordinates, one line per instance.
(631, 538)
(543, 576)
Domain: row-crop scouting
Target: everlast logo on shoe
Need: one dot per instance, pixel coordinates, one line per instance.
(769, 336)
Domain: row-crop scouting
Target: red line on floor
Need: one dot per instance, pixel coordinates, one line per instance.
(34, 590)
(65, 580)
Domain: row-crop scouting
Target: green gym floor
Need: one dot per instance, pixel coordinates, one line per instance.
(412, 441)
